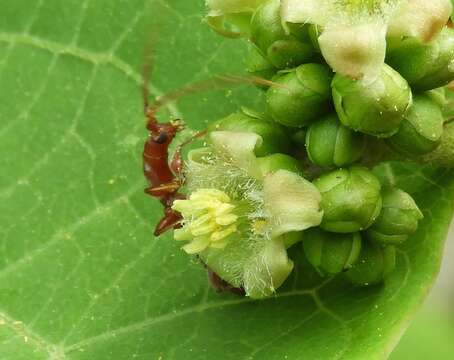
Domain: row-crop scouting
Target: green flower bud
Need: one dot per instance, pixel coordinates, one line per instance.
(424, 66)
(274, 136)
(443, 155)
(420, 18)
(275, 162)
(231, 18)
(258, 65)
(329, 143)
(374, 265)
(439, 96)
(230, 25)
(351, 199)
(283, 50)
(448, 106)
(331, 253)
(303, 97)
(398, 219)
(314, 32)
(299, 137)
(421, 131)
(376, 108)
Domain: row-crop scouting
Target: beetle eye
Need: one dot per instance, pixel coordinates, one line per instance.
(162, 138)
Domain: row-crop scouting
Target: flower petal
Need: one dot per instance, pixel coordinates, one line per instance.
(420, 18)
(238, 149)
(267, 270)
(291, 203)
(356, 51)
(307, 11)
(197, 245)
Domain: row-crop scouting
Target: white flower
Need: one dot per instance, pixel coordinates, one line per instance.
(236, 217)
(353, 33)
(422, 19)
(356, 51)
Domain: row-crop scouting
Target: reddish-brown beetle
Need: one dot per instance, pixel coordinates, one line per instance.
(164, 178)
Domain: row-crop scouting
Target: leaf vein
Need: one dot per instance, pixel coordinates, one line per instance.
(65, 232)
(172, 316)
(97, 58)
(31, 337)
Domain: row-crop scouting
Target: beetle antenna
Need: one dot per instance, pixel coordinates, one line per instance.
(147, 71)
(146, 74)
(217, 82)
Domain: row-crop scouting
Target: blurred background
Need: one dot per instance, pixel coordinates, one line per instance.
(431, 335)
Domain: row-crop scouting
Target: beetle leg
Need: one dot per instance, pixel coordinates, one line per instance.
(164, 189)
(171, 220)
(176, 165)
(220, 285)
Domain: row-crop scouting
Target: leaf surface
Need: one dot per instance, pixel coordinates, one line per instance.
(81, 276)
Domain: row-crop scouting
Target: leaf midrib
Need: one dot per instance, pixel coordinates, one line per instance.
(205, 306)
(42, 344)
(201, 307)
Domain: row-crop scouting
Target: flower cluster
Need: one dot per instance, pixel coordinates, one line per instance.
(350, 81)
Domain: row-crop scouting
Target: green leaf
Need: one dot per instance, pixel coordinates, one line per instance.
(81, 276)
(429, 337)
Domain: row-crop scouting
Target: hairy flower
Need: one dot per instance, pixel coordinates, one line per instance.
(422, 19)
(353, 37)
(240, 208)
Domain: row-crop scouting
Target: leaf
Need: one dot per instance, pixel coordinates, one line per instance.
(81, 276)
(429, 337)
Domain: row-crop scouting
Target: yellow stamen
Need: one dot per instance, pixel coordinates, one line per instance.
(220, 235)
(209, 220)
(227, 219)
(182, 234)
(197, 245)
